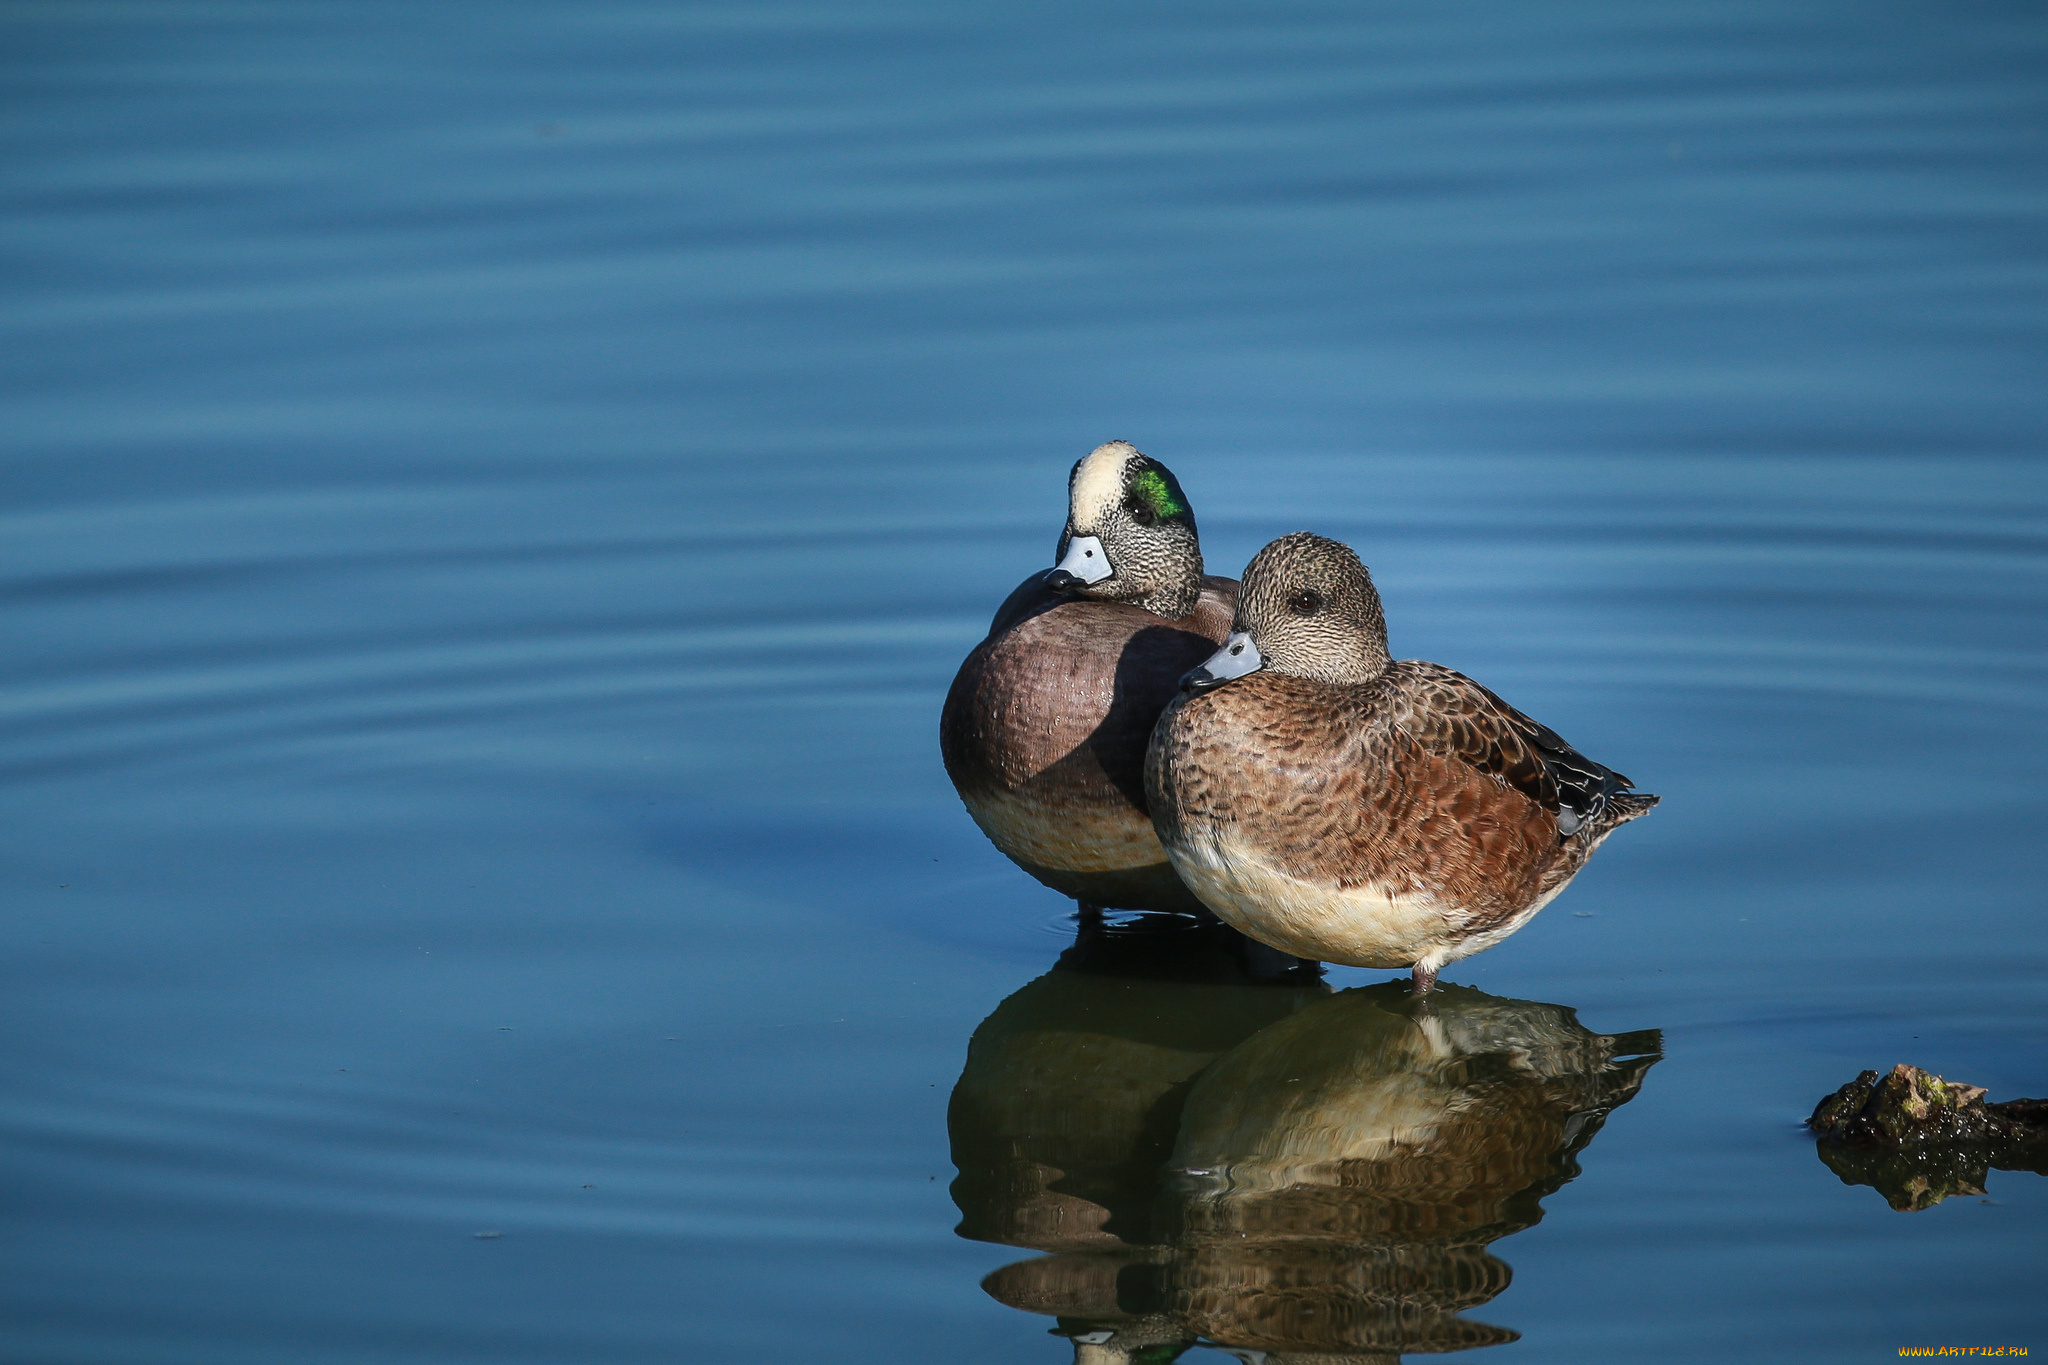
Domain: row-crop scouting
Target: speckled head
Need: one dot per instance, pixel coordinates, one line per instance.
(1309, 608)
(1130, 533)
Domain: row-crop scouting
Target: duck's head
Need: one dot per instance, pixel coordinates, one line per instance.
(1307, 608)
(1130, 534)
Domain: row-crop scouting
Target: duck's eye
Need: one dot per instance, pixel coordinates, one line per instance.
(1305, 603)
(1141, 511)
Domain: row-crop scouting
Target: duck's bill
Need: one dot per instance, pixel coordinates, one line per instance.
(1086, 563)
(1238, 657)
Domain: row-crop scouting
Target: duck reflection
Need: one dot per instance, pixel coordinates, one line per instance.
(1070, 1103)
(1339, 1176)
(1326, 1189)
(1071, 1097)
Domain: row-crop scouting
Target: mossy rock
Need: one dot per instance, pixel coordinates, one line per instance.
(1919, 1139)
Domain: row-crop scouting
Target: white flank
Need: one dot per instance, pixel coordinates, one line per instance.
(1376, 925)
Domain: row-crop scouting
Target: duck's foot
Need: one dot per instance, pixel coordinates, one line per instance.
(1089, 916)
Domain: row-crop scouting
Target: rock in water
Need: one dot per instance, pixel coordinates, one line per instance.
(1919, 1139)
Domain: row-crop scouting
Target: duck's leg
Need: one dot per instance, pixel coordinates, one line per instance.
(1089, 916)
(1420, 1006)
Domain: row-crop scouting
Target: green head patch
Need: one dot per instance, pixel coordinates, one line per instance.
(1161, 493)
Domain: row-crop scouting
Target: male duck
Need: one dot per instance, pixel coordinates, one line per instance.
(1335, 804)
(1044, 730)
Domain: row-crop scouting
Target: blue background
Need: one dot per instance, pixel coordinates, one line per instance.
(495, 495)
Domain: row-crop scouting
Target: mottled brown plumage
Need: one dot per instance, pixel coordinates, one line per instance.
(1044, 730)
(1338, 805)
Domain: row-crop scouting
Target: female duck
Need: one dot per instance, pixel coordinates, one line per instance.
(1044, 730)
(1335, 804)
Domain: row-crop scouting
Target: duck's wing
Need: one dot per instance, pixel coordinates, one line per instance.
(1224, 588)
(1215, 608)
(1028, 599)
(1447, 713)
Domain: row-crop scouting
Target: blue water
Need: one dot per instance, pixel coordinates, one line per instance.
(494, 496)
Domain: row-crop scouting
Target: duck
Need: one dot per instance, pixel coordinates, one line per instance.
(1337, 804)
(1044, 729)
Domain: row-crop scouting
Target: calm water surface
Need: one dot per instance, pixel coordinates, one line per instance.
(495, 495)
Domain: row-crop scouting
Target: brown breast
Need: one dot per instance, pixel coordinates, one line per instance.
(1075, 685)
